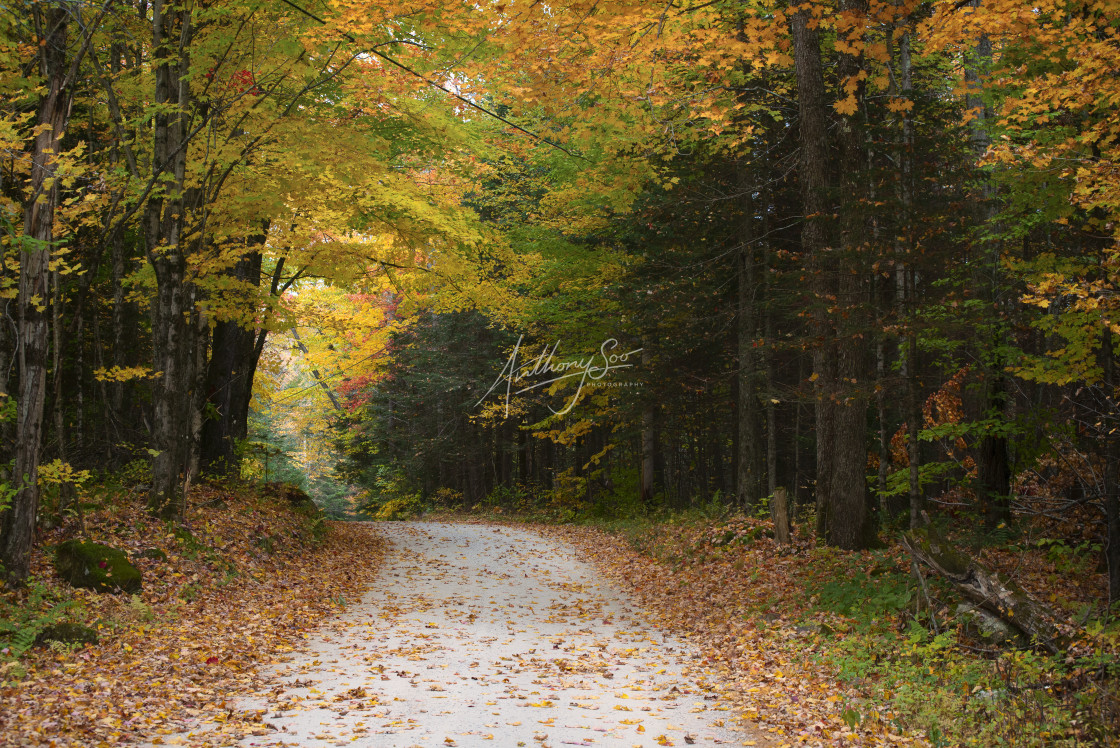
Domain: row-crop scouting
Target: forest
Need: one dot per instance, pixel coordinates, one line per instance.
(844, 270)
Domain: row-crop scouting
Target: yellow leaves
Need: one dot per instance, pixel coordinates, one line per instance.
(899, 105)
(122, 373)
(58, 473)
(151, 650)
(846, 106)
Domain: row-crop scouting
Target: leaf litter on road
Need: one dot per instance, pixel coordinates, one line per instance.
(473, 634)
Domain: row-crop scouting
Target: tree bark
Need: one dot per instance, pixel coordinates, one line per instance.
(229, 379)
(649, 440)
(849, 525)
(748, 482)
(992, 592)
(779, 512)
(992, 453)
(815, 182)
(165, 220)
(1111, 473)
(17, 529)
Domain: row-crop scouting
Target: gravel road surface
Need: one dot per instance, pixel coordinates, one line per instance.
(480, 635)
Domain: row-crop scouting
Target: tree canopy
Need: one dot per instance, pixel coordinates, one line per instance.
(865, 252)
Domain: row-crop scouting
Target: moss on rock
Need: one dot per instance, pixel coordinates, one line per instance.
(66, 633)
(96, 567)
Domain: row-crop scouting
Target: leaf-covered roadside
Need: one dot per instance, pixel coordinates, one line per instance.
(244, 585)
(819, 646)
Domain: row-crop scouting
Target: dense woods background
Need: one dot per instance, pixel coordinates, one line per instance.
(867, 250)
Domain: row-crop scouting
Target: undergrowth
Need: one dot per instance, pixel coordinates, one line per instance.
(906, 665)
(905, 661)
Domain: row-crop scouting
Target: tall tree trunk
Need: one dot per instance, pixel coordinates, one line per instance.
(815, 182)
(849, 525)
(907, 291)
(1111, 474)
(229, 378)
(748, 483)
(165, 220)
(17, 529)
(992, 453)
(649, 440)
(8, 352)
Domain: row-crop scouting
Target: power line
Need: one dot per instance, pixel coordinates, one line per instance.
(434, 84)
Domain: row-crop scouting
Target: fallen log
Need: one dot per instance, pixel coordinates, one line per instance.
(991, 591)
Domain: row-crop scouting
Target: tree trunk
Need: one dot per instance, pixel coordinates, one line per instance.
(907, 286)
(849, 525)
(8, 352)
(165, 219)
(229, 379)
(815, 182)
(748, 483)
(18, 527)
(992, 453)
(1111, 474)
(649, 441)
(992, 592)
(779, 512)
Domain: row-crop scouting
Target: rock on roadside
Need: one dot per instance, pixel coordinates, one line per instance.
(96, 567)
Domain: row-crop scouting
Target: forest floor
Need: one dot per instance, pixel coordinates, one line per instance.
(260, 629)
(823, 647)
(241, 582)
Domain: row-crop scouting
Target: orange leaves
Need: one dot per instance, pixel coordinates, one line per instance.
(208, 616)
(900, 105)
(727, 587)
(847, 106)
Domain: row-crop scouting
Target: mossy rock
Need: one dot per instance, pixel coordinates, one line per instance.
(153, 553)
(66, 633)
(96, 567)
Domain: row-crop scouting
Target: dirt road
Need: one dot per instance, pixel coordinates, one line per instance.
(477, 635)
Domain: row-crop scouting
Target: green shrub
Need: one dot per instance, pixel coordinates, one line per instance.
(21, 624)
